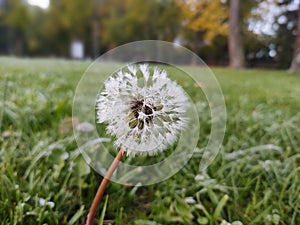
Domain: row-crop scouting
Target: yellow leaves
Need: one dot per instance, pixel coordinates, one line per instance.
(207, 16)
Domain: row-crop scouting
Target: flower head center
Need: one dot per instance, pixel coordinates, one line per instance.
(142, 113)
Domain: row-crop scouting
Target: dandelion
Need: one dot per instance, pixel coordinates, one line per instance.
(144, 110)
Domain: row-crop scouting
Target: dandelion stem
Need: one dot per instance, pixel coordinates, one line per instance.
(102, 187)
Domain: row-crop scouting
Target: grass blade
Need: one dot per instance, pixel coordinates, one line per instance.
(101, 220)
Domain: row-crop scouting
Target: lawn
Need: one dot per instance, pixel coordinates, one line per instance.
(255, 179)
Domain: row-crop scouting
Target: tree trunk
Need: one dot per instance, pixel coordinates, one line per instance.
(95, 40)
(295, 65)
(236, 52)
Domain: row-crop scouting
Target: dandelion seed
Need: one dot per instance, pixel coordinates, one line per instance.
(143, 109)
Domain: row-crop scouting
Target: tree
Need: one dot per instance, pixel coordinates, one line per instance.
(283, 42)
(207, 17)
(236, 52)
(132, 20)
(295, 65)
(36, 44)
(204, 28)
(17, 19)
(67, 20)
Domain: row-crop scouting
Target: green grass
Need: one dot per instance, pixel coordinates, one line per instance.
(44, 180)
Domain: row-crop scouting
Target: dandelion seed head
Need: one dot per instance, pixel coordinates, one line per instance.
(143, 109)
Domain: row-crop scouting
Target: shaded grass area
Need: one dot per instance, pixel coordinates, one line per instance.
(254, 180)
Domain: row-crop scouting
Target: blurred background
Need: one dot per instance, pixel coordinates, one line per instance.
(255, 179)
(264, 30)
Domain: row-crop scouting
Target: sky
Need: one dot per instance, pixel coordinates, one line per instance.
(41, 3)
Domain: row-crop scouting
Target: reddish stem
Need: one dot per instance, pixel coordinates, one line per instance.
(99, 194)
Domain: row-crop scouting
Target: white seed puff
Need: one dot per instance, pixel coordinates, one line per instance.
(142, 108)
